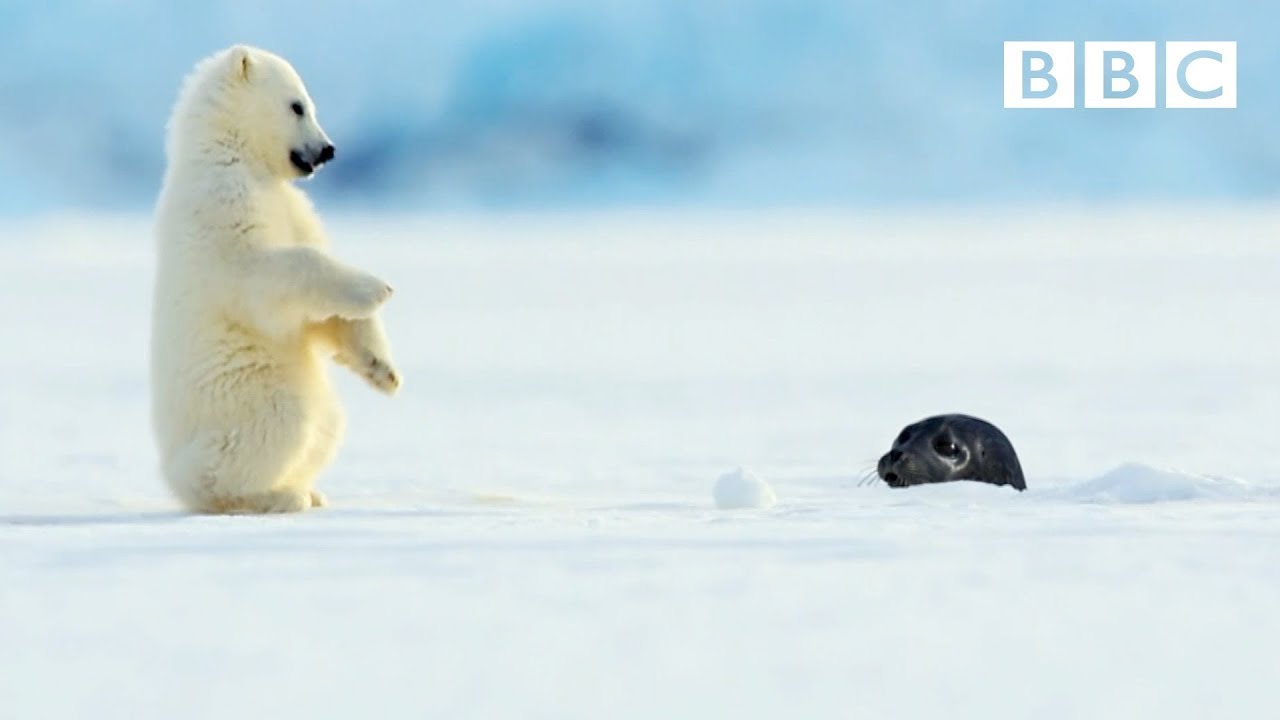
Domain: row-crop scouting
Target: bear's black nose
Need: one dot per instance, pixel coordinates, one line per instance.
(326, 154)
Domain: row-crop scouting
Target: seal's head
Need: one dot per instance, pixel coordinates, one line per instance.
(951, 447)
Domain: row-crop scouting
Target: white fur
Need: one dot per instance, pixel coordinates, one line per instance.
(248, 303)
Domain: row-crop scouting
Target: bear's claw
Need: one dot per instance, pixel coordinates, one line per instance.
(381, 375)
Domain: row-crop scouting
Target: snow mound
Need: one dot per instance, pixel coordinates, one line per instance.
(1135, 483)
(743, 489)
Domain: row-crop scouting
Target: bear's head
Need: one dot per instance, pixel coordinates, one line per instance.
(251, 105)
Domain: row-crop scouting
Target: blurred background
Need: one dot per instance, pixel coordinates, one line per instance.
(606, 103)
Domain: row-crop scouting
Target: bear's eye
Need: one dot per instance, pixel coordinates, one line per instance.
(297, 108)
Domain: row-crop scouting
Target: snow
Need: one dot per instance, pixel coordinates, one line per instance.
(1138, 483)
(525, 530)
(742, 488)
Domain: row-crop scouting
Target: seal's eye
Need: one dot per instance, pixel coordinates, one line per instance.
(297, 109)
(944, 446)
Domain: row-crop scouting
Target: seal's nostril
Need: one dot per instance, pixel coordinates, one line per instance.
(326, 154)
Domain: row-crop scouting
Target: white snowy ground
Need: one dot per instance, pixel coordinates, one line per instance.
(528, 530)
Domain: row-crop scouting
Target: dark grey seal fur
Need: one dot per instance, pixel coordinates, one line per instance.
(951, 447)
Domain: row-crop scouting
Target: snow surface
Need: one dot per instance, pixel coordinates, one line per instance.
(526, 530)
(741, 489)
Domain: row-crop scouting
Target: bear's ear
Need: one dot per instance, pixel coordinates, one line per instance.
(241, 61)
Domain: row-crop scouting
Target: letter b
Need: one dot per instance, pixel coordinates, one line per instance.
(1110, 73)
(1045, 72)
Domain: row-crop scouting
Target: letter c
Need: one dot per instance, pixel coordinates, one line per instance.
(1182, 75)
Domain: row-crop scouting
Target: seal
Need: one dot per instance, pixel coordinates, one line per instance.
(951, 447)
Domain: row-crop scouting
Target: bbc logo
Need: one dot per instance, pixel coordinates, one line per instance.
(1120, 74)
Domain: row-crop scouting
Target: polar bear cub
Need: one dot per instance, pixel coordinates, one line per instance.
(249, 304)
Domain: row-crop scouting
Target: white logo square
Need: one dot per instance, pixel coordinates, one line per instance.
(1119, 74)
(1200, 74)
(1039, 75)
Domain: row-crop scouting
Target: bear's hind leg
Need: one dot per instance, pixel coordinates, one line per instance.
(322, 446)
(242, 471)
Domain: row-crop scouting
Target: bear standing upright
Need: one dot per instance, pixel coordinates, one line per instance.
(249, 305)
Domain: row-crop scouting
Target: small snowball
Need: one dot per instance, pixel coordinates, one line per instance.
(743, 489)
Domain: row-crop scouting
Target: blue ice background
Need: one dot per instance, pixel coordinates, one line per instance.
(536, 103)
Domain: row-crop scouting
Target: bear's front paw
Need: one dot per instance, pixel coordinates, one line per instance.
(366, 294)
(379, 373)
